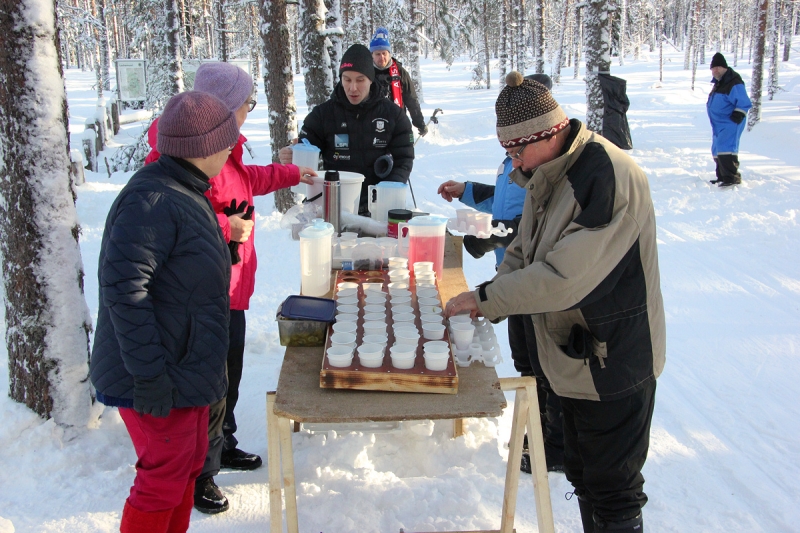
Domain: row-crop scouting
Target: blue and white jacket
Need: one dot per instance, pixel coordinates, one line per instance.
(727, 95)
(503, 200)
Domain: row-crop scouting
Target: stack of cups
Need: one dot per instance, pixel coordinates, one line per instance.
(423, 273)
(347, 241)
(463, 354)
(436, 355)
(371, 355)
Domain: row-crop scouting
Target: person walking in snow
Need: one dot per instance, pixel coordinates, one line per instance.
(395, 82)
(162, 327)
(727, 108)
(231, 196)
(584, 266)
(357, 130)
(504, 200)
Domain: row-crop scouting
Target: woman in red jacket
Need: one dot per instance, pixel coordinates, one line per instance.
(237, 183)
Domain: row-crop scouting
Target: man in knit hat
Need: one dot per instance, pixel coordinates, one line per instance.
(161, 341)
(584, 267)
(358, 130)
(395, 81)
(727, 108)
(231, 195)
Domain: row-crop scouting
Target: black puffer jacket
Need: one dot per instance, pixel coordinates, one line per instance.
(352, 137)
(164, 273)
(410, 100)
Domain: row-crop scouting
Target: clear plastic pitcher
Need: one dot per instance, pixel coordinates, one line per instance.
(304, 154)
(424, 240)
(385, 196)
(315, 258)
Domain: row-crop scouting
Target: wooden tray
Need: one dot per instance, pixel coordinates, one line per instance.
(386, 377)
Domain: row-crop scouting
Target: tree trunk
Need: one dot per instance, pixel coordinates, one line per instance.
(413, 49)
(503, 44)
(333, 23)
(521, 38)
(759, 37)
(788, 30)
(689, 46)
(623, 19)
(561, 45)
(774, 44)
(316, 62)
(598, 59)
(538, 36)
(222, 31)
(279, 85)
(47, 320)
(577, 40)
(174, 47)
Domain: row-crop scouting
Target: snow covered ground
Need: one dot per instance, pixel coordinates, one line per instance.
(725, 447)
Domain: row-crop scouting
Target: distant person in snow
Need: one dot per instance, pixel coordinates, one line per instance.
(162, 325)
(394, 80)
(727, 108)
(584, 267)
(504, 200)
(357, 130)
(231, 195)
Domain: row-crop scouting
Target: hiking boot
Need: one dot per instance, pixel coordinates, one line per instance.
(714, 182)
(239, 460)
(208, 498)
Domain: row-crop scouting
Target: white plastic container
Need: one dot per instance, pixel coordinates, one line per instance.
(344, 339)
(459, 319)
(436, 362)
(304, 154)
(370, 355)
(340, 356)
(407, 336)
(346, 317)
(403, 317)
(375, 327)
(433, 332)
(315, 258)
(345, 327)
(385, 196)
(403, 355)
(431, 302)
(349, 189)
(462, 335)
(402, 308)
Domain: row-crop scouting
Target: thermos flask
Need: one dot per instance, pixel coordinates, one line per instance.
(331, 200)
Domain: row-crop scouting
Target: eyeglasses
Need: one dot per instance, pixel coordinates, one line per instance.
(518, 155)
(252, 103)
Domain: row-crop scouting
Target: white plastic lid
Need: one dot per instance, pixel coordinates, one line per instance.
(427, 220)
(317, 230)
(305, 146)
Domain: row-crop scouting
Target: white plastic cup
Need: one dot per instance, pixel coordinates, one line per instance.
(375, 299)
(462, 357)
(403, 317)
(375, 308)
(435, 362)
(436, 343)
(346, 249)
(425, 278)
(422, 266)
(350, 300)
(402, 308)
(397, 326)
(459, 319)
(344, 327)
(399, 273)
(349, 309)
(430, 310)
(436, 350)
(433, 332)
(372, 287)
(346, 293)
(431, 302)
(431, 319)
(348, 236)
(399, 289)
(340, 356)
(372, 317)
(462, 335)
(347, 285)
(346, 317)
(343, 339)
(427, 293)
(376, 339)
(375, 327)
(406, 336)
(401, 357)
(371, 355)
(400, 300)
(475, 351)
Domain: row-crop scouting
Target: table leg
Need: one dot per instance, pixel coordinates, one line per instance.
(274, 466)
(541, 487)
(514, 457)
(287, 460)
(458, 428)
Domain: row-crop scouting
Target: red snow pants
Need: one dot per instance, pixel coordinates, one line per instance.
(171, 452)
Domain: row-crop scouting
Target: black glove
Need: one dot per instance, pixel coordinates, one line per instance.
(737, 117)
(154, 396)
(478, 247)
(233, 209)
(423, 131)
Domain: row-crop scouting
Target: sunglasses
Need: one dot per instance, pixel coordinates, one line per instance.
(252, 103)
(518, 155)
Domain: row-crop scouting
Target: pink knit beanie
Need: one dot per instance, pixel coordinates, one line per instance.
(227, 82)
(196, 124)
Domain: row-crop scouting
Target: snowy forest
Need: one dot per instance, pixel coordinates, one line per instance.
(82, 80)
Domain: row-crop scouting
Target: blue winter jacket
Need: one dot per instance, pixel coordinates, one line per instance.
(164, 272)
(503, 200)
(727, 95)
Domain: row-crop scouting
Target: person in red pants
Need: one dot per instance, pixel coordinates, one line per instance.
(231, 195)
(161, 344)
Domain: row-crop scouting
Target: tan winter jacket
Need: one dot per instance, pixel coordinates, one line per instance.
(585, 259)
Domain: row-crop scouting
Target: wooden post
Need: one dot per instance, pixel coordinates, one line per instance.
(115, 116)
(287, 462)
(76, 167)
(274, 466)
(89, 143)
(514, 458)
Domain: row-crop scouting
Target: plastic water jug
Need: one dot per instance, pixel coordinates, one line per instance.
(304, 154)
(349, 190)
(424, 240)
(385, 196)
(315, 258)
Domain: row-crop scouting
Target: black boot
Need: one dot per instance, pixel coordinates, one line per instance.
(208, 498)
(634, 525)
(587, 514)
(239, 460)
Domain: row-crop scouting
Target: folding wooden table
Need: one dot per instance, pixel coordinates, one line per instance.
(480, 394)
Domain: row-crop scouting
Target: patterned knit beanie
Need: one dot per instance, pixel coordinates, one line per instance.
(718, 61)
(526, 112)
(359, 59)
(196, 124)
(380, 41)
(227, 82)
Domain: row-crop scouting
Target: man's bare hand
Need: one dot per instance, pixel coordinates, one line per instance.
(461, 304)
(451, 189)
(240, 228)
(306, 175)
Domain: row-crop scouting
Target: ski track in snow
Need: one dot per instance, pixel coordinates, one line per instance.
(725, 442)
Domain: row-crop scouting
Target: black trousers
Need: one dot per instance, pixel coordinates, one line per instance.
(728, 168)
(605, 447)
(221, 421)
(522, 341)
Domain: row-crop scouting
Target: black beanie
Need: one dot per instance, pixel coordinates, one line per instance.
(358, 58)
(718, 61)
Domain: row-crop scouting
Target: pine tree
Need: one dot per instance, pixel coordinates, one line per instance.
(414, 26)
(759, 37)
(316, 61)
(538, 36)
(333, 29)
(772, 87)
(598, 59)
(47, 320)
(279, 85)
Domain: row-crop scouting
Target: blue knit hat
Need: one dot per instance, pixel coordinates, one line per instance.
(380, 41)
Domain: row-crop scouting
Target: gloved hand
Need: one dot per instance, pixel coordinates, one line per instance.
(477, 248)
(423, 130)
(154, 396)
(233, 209)
(737, 117)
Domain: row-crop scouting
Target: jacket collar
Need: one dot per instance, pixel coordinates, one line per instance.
(194, 180)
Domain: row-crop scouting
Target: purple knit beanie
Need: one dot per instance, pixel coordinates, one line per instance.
(195, 124)
(227, 82)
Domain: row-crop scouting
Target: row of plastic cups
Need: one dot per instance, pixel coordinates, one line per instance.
(371, 327)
